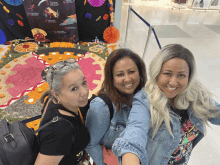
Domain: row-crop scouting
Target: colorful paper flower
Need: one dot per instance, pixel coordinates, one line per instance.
(111, 34)
(96, 3)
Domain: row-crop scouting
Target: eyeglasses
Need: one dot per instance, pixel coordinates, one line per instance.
(54, 67)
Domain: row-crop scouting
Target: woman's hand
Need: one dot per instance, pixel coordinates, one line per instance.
(109, 157)
(130, 159)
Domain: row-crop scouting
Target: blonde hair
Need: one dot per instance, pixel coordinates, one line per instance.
(195, 95)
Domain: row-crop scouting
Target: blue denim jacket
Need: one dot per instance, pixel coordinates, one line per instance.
(102, 130)
(137, 137)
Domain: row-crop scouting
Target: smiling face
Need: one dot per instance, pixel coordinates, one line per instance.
(74, 91)
(126, 76)
(173, 77)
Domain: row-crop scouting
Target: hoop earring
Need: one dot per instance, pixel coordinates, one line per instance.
(58, 102)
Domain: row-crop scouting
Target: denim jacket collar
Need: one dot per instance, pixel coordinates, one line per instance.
(124, 105)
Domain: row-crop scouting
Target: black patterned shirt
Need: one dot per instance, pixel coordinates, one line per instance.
(189, 133)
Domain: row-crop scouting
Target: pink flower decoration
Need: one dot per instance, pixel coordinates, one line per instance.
(89, 71)
(96, 3)
(27, 76)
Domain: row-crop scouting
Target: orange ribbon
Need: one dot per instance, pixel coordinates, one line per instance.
(80, 114)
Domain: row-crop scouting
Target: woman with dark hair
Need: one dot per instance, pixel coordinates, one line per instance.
(166, 123)
(125, 75)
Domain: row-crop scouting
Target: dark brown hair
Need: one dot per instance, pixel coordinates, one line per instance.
(108, 87)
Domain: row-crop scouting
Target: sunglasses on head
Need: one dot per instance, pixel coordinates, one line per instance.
(64, 63)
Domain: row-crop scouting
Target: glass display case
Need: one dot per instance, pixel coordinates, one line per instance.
(205, 4)
(215, 4)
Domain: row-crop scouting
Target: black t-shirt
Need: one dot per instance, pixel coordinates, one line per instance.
(181, 113)
(189, 133)
(59, 138)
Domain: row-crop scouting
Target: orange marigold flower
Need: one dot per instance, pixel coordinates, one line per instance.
(3, 72)
(7, 66)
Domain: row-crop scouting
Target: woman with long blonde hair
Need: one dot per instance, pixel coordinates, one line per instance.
(170, 119)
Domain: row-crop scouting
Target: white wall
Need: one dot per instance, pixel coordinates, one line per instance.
(117, 17)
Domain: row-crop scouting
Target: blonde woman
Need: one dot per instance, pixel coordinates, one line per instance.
(171, 117)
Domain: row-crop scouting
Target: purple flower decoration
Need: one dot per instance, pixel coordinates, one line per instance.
(2, 37)
(11, 22)
(88, 15)
(96, 3)
(14, 2)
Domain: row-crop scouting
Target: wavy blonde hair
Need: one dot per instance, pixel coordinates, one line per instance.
(195, 95)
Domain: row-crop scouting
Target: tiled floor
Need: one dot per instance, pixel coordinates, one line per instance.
(215, 28)
(199, 31)
(172, 31)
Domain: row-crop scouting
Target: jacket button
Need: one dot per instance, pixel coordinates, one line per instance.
(197, 124)
(116, 128)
